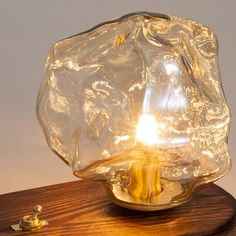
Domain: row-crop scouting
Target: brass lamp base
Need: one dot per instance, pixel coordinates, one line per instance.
(159, 202)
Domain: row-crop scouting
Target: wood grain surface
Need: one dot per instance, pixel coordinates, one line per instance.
(83, 208)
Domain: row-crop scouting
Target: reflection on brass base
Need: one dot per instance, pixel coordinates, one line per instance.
(164, 200)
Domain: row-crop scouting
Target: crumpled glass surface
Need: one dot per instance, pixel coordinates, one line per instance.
(137, 103)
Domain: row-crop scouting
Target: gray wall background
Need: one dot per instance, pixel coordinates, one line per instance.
(28, 29)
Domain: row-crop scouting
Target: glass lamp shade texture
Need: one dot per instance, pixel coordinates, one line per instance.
(137, 104)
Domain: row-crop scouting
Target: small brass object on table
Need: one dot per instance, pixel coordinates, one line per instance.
(31, 222)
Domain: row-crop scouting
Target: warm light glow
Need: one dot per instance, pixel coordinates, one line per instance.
(172, 68)
(146, 131)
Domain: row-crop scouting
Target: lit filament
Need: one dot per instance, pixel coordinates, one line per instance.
(146, 131)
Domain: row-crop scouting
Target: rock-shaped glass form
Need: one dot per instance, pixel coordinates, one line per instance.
(137, 103)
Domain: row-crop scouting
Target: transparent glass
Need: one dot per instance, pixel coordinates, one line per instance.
(137, 103)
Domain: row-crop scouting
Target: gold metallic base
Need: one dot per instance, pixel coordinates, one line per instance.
(163, 200)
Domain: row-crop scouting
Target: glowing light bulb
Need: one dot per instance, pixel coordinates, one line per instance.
(147, 129)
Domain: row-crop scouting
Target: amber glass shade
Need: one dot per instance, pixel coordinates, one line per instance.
(137, 103)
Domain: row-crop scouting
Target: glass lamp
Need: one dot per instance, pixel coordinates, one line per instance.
(137, 104)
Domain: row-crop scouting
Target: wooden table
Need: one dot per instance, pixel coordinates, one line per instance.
(83, 208)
